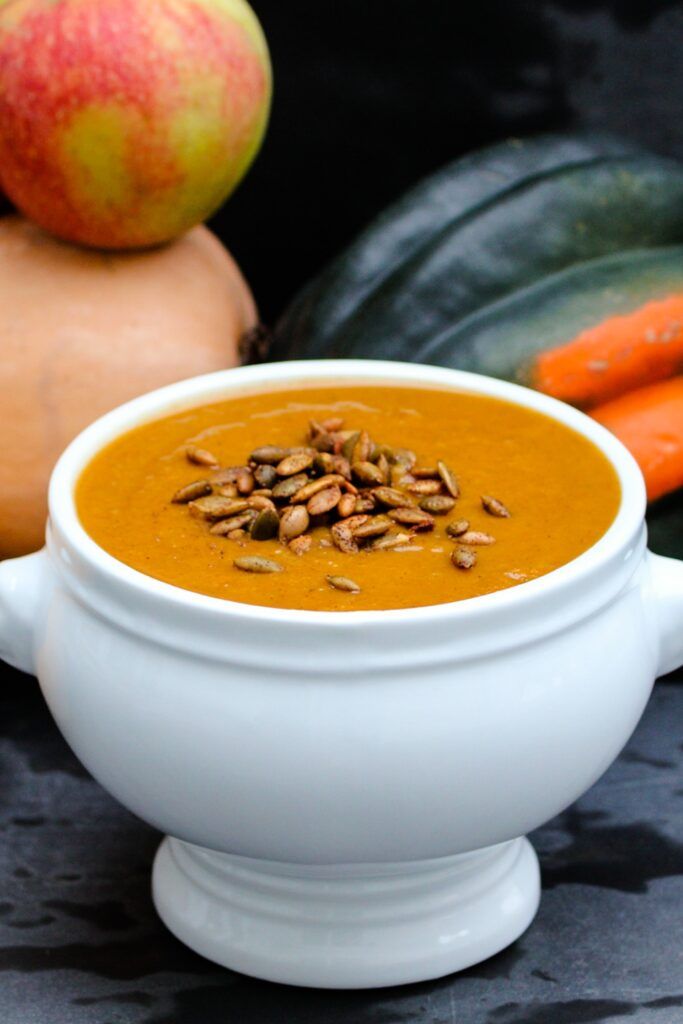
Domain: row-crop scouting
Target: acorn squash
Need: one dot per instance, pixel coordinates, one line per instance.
(555, 261)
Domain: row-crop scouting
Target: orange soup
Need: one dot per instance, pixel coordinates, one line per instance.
(348, 498)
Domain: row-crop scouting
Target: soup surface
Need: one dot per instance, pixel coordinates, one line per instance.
(531, 495)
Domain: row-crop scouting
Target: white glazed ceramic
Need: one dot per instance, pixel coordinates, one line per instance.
(347, 792)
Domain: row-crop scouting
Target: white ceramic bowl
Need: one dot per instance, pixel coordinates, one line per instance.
(346, 792)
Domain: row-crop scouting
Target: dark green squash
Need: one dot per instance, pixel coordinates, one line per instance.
(501, 255)
(498, 242)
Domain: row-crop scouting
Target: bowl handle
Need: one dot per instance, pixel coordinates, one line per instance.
(22, 589)
(666, 589)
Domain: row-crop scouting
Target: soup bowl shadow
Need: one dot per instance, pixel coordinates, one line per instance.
(345, 795)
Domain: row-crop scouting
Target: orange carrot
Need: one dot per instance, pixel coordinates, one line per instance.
(615, 356)
(650, 423)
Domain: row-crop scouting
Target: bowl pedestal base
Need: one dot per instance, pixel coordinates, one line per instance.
(346, 926)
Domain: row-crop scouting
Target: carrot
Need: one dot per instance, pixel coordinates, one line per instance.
(649, 422)
(615, 356)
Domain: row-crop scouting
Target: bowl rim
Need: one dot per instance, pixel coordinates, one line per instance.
(65, 523)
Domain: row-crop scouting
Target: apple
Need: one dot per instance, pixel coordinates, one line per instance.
(123, 123)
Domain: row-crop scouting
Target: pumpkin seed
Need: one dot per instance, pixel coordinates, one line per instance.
(342, 466)
(388, 541)
(425, 487)
(269, 454)
(190, 492)
(236, 535)
(404, 457)
(227, 490)
(414, 517)
(323, 442)
(348, 445)
(266, 524)
(382, 464)
(390, 496)
(347, 505)
(300, 545)
(424, 472)
(287, 488)
(259, 501)
(437, 504)
(265, 476)
(228, 475)
(457, 527)
(450, 481)
(333, 424)
(477, 537)
(254, 563)
(365, 502)
(343, 583)
(342, 537)
(311, 488)
(261, 492)
(201, 457)
(293, 522)
(363, 448)
(494, 507)
(374, 527)
(245, 481)
(324, 463)
(215, 506)
(225, 526)
(294, 464)
(367, 473)
(324, 501)
(463, 558)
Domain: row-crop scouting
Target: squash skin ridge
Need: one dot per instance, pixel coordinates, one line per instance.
(298, 309)
(298, 327)
(477, 318)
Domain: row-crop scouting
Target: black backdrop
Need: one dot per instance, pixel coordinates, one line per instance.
(372, 94)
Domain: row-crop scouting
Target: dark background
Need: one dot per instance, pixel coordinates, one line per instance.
(370, 95)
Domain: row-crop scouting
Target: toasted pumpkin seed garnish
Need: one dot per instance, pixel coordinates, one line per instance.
(309, 489)
(226, 526)
(476, 537)
(374, 527)
(388, 541)
(215, 506)
(347, 505)
(342, 536)
(359, 491)
(343, 583)
(424, 487)
(367, 473)
(201, 457)
(269, 454)
(300, 545)
(265, 476)
(449, 479)
(287, 488)
(266, 524)
(391, 497)
(458, 527)
(254, 563)
(463, 558)
(294, 522)
(197, 489)
(414, 517)
(437, 504)
(294, 464)
(348, 445)
(494, 507)
(324, 501)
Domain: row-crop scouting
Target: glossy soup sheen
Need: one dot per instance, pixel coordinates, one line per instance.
(562, 494)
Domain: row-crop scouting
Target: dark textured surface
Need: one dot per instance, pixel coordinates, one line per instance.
(80, 942)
